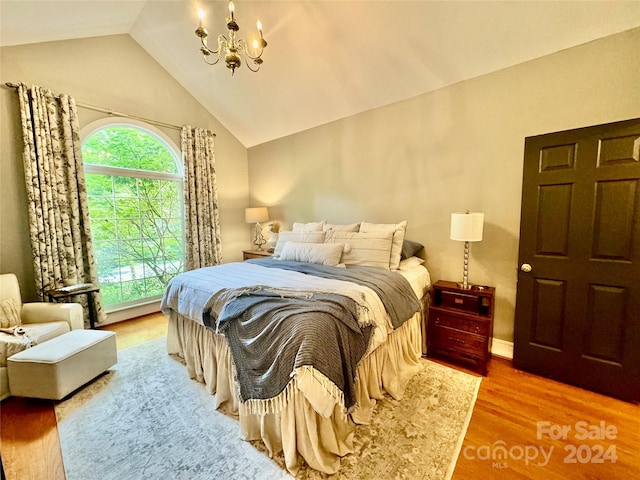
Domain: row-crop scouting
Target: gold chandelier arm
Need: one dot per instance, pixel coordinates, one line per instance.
(242, 45)
(258, 62)
(207, 52)
(206, 56)
(222, 43)
(259, 51)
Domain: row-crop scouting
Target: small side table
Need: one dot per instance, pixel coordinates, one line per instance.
(247, 254)
(62, 293)
(460, 325)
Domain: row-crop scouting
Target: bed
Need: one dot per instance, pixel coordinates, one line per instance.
(313, 417)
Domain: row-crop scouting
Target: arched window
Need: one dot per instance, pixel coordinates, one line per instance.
(134, 185)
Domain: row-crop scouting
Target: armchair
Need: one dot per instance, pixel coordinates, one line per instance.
(41, 322)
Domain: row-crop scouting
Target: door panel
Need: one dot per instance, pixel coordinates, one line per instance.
(615, 150)
(613, 222)
(550, 299)
(578, 309)
(554, 211)
(557, 157)
(604, 340)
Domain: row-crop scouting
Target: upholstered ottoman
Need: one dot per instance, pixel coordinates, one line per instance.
(59, 366)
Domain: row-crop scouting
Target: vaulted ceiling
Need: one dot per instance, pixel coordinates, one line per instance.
(326, 59)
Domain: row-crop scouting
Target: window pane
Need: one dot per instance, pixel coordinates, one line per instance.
(111, 293)
(102, 229)
(125, 187)
(100, 185)
(174, 265)
(174, 228)
(107, 260)
(171, 207)
(150, 188)
(173, 247)
(127, 208)
(129, 229)
(154, 286)
(133, 290)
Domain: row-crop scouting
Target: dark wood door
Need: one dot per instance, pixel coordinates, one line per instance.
(578, 296)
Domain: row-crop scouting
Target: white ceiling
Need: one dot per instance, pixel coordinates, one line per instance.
(326, 59)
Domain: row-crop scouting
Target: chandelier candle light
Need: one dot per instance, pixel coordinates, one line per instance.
(257, 215)
(235, 49)
(466, 227)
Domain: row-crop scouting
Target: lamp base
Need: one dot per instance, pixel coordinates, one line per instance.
(258, 239)
(465, 285)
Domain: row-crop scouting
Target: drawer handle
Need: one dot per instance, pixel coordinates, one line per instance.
(477, 329)
(459, 301)
(457, 340)
(438, 320)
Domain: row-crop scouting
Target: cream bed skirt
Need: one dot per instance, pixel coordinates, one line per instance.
(310, 422)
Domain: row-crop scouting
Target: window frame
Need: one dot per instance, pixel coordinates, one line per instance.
(101, 124)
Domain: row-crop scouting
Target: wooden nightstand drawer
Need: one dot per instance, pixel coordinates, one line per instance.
(470, 324)
(444, 337)
(248, 254)
(459, 301)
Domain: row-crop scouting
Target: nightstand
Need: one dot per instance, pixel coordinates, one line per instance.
(247, 254)
(460, 324)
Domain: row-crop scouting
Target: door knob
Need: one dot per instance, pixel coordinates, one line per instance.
(525, 267)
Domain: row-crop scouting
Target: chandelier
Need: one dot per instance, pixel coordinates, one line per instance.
(235, 49)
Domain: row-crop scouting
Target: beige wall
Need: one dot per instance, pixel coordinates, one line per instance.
(116, 73)
(454, 149)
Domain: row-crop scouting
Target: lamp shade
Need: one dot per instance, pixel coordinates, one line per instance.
(467, 227)
(256, 214)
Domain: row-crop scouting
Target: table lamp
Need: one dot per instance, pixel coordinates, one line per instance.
(466, 227)
(257, 215)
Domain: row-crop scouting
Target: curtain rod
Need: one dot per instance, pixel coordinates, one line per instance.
(112, 113)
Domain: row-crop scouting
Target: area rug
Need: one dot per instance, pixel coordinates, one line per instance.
(145, 419)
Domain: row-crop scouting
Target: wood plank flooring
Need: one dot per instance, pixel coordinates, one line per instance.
(510, 405)
(526, 415)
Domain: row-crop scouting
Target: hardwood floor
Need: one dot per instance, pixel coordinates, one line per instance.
(510, 405)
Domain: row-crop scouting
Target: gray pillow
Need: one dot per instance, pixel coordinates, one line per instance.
(410, 249)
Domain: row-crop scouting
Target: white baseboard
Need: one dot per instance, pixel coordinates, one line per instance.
(502, 348)
(131, 312)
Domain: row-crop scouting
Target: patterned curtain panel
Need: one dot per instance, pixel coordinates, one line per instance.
(202, 217)
(57, 194)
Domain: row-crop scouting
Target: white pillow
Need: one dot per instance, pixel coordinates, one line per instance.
(320, 253)
(410, 263)
(397, 229)
(370, 249)
(303, 237)
(308, 227)
(350, 227)
(9, 313)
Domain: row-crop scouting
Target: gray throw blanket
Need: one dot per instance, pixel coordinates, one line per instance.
(271, 335)
(394, 290)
